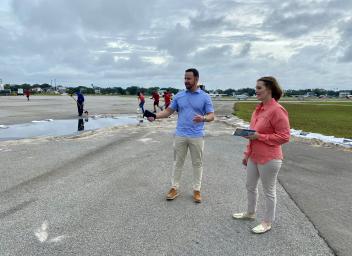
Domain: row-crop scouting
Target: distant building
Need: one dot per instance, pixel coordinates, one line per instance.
(344, 94)
(2, 87)
(60, 89)
(37, 89)
(310, 94)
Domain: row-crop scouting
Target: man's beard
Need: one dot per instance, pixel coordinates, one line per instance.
(188, 86)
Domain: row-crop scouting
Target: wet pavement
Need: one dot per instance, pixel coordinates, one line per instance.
(50, 127)
(17, 110)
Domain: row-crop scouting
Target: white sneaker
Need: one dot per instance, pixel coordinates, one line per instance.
(261, 228)
(243, 216)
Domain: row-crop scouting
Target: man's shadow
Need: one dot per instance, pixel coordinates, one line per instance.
(81, 122)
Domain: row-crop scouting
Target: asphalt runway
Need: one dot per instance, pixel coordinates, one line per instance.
(103, 192)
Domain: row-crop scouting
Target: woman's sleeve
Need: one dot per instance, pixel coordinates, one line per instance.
(281, 126)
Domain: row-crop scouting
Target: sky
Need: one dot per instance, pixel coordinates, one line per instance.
(303, 43)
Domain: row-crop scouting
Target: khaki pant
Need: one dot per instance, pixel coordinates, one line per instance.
(196, 147)
(268, 174)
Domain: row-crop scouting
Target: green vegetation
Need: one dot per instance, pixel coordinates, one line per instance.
(43, 89)
(328, 118)
(289, 93)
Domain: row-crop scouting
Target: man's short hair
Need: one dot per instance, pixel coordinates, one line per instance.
(194, 71)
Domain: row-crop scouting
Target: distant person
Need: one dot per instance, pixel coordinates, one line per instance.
(194, 108)
(156, 97)
(141, 101)
(27, 93)
(80, 103)
(167, 98)
(263, 156)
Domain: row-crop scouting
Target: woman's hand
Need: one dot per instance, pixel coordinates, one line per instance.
(244, 161)
(253, 137)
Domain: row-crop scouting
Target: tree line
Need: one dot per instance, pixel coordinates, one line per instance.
(132, 90)
(47, 88)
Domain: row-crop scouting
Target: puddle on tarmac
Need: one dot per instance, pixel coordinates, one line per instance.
(51, 127)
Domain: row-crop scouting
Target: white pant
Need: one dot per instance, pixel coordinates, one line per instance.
(268, 174)
(196, 147)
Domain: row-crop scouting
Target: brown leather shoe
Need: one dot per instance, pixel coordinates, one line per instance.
(172, 194)
(196, 196)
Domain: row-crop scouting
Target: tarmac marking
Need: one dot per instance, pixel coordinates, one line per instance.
(5, 150)
(148, 140)
(57, 239)
(42, 234)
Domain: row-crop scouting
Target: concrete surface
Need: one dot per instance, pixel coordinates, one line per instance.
(319, 181)
(103, 192)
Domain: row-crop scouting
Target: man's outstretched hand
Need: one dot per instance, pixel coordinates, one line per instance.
(149, 115)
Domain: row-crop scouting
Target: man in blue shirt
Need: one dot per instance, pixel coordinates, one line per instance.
(194, 108)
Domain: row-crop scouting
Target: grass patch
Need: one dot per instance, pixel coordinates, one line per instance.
(326, 103)
(328, 119)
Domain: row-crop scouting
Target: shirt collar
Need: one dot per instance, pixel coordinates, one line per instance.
(196, 91)
(266, 105)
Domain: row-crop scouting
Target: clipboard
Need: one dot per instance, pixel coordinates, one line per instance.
(243, 132)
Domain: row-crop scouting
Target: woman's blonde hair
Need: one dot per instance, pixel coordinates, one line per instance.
(271, 83)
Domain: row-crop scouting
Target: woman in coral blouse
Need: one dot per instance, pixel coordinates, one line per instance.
(263, 156)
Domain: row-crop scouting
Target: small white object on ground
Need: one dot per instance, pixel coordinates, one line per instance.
(43, 121)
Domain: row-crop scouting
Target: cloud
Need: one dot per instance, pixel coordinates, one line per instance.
(345, 44)
(347, 55)
(178, 42)
(245, 50)
(202, 23)
(215, 52)
(98, 16)
(299, 18)
(231, 42)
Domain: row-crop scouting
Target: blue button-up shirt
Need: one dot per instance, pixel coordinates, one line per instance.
(188, 104)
